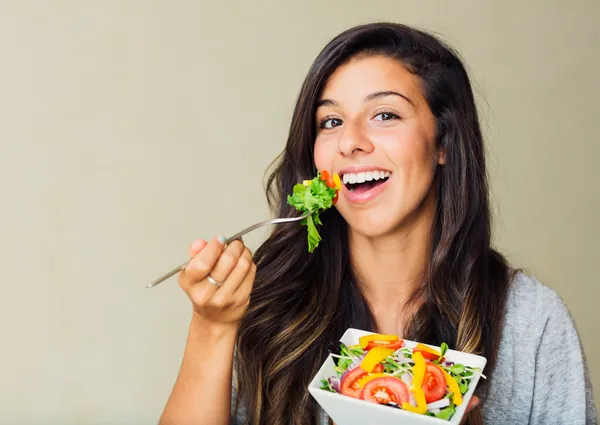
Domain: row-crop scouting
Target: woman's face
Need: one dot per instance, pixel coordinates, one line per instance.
(375, 129)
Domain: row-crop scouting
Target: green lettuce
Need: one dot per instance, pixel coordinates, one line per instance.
(312, 198)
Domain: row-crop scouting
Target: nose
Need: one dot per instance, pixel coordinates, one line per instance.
(353, 140)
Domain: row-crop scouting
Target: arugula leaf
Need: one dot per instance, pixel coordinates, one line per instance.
(325, 385)
(342, 366)
(314, 197)
(446, 413)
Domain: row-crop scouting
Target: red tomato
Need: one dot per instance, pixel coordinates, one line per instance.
(434, 383)
(328, 179)
(394, 345)
(349, 384)
(335, 198)
(427, 355)
(378, 368)
(385, 390)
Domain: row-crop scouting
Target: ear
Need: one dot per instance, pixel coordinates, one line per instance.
(441, 156)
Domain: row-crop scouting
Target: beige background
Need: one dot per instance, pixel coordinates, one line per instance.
(128, 128)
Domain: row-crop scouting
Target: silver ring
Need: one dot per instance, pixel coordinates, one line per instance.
(212, 281)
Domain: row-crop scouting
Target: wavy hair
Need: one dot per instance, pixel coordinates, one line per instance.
(303, 302)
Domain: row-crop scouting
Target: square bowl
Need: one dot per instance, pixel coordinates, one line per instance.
(345, 410)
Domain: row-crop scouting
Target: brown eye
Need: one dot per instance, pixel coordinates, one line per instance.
(330, 123)
(385, 116)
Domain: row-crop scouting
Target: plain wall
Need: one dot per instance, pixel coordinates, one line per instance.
(129, 128)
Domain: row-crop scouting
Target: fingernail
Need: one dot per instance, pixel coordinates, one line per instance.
(221, 239)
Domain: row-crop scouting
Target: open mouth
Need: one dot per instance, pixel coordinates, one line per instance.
(365, 181)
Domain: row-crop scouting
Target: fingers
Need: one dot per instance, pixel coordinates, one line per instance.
(200, 266)
(242, 294)
(230, 266)
(227, 261)
(237, 275)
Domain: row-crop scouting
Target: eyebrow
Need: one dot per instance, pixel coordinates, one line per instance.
(380, 94)
(369, 98)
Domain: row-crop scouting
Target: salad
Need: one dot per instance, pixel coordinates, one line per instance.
(381, 369)
(315, 196)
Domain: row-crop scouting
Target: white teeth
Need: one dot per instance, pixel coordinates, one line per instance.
(366, 176)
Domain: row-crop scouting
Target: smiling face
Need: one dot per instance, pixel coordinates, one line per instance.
(375, 129)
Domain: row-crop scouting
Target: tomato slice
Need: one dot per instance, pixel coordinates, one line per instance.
(427, 355)
(328, 179)
(434, 383)
(385, 390)
(349, 384)
(335, 198)
(378, 368)
(394, 345)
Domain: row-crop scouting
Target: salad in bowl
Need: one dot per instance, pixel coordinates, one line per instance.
(391, 377)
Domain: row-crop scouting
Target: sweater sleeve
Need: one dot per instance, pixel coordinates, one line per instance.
(562, 386)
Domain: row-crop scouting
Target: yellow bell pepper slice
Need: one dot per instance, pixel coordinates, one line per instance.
(337, 181)
(364, 380)
(424, 347)
(417, 386)
(374, 357)
(363, 341)
(453, 387)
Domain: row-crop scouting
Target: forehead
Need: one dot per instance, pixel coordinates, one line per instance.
(361, 76)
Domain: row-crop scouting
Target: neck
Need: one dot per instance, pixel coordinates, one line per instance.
(390, 269)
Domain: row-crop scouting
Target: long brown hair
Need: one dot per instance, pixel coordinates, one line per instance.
(302, 302)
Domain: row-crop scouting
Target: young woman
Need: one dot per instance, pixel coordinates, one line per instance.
(409, 254)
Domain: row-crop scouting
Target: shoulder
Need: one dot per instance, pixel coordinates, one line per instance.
(526, 290)
(531, 304)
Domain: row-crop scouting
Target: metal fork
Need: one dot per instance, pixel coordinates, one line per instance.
(229, 240)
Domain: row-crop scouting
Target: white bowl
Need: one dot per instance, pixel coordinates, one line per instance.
(346, 410)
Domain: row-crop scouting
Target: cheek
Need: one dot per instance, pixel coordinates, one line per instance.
(323, 155)
(410, 152)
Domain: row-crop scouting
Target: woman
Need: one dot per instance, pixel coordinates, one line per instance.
(407, 255)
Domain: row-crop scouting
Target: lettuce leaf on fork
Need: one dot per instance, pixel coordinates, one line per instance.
(314, 196)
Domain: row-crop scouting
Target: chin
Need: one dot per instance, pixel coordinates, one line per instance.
(370, 224)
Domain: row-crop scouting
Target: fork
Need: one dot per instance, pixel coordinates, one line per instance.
(229, 240)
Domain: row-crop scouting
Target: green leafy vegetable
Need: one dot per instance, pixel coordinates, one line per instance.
(446, 413)
(312, 196)
(443, 349)
(344, 363)
(463, 385)
(325, 385)
(457, 369)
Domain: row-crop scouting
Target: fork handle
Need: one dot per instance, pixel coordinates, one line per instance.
(169, 274)
(228, 241)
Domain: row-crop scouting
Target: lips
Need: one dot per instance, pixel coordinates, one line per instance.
(363, 184)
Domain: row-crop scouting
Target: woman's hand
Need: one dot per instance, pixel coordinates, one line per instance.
(218, 280)
(473, 402)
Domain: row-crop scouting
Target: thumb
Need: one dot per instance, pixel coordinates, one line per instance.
(473, 402)
(196, 246)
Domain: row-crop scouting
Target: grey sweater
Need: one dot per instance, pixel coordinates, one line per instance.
(541, 375)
